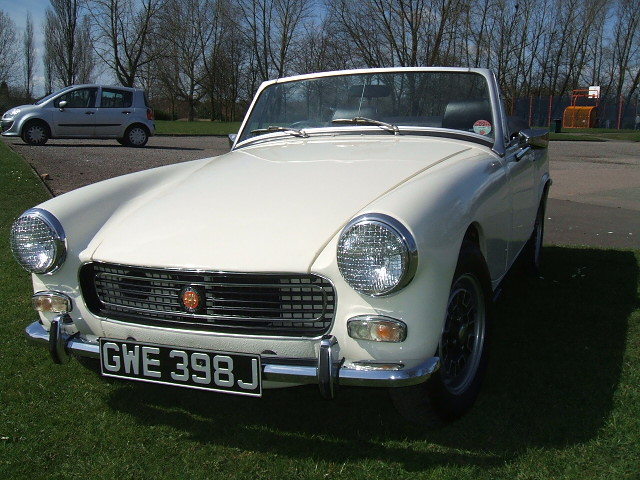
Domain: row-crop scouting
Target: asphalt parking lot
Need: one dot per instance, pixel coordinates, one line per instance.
(594, 200)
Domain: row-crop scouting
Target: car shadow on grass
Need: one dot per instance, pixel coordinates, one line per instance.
(556, 361)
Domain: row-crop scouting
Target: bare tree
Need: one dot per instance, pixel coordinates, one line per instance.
(323, 49)
(68, 45)
(29, 52)
(625, 45)
(184, 23)
(400, 32)
(223, 55)
(122, 32)
(8, 53)
(270, 28)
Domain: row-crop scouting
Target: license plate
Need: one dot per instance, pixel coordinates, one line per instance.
(236, 373)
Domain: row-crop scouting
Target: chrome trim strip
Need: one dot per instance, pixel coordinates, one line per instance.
(403, 130)
(494, 95)
(58, 339)
(327, 367)
(404, 234)
(276, 371)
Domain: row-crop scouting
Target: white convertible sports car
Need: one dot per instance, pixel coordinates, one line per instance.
(356, 234)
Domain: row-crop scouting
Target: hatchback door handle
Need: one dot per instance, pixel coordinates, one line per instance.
(126, 112)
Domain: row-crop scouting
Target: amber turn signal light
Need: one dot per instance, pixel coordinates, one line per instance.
(377, 328)
(54, 302)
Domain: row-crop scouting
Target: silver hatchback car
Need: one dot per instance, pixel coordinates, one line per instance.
(84, 111)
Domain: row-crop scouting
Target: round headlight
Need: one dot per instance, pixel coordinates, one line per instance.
(38, 242)
(376, 254)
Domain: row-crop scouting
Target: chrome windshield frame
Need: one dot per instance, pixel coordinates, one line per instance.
(497, 144)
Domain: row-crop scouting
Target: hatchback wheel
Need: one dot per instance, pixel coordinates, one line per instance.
(35, 133)
(136, 136)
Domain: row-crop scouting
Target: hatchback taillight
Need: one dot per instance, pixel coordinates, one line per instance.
(149, 114)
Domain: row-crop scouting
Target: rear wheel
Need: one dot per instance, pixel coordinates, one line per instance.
(35, 133)
(463, 349)
(136, 136)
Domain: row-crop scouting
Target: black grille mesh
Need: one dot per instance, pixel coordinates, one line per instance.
(265, 304)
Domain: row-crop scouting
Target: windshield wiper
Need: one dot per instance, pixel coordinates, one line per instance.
(369, 121)
(275, 128)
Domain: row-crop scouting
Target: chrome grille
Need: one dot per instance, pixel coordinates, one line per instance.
(265, 304)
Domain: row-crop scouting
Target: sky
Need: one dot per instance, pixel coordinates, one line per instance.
(17, 11)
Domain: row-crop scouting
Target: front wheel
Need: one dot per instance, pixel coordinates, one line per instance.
(35, 133)
(136, 136)
(463, 349)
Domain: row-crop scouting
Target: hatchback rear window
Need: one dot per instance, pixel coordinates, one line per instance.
(112, 98)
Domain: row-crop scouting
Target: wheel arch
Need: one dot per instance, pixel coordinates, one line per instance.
(32, 120)
(138, 124)
(475, 234)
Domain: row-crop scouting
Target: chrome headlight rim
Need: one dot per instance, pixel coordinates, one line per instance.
(58, 236)
(403, 234)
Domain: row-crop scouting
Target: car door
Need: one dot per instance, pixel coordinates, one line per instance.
(114, 111)
(521, 168)
(77, 117)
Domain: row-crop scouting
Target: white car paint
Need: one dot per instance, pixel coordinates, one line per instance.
(278, 204)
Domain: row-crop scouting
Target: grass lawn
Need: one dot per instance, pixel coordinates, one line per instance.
(561, 400)
(595, 134)
(574, 137)
(166, 127)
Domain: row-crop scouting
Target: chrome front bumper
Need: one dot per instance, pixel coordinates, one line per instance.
(326, 371)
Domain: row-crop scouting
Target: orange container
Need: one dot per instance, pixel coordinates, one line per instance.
(580, 117)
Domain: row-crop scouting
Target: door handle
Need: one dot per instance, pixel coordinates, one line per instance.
(126, 112)
(89, 113)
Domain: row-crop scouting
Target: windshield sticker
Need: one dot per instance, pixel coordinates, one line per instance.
(482, 127)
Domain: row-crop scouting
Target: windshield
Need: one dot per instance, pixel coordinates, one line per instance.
(51, 95)
(452, 100)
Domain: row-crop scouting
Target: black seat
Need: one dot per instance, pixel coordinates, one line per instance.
(368, 112)
(462, 115)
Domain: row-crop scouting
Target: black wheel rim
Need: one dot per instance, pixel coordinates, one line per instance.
(462, 341)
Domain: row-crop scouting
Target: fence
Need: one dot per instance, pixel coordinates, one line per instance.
(613, 112)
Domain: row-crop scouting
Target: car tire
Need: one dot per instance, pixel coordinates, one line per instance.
(451, 391)
(532, 254)
(136, 136)
(121, 141)
(35, 133)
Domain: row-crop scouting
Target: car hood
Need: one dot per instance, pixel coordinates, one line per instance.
(270, 207)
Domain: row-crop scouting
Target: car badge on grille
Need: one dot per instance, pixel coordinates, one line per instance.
(191, 299)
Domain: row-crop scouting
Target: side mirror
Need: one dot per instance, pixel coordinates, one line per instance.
(62, 104)
(533, 138)
(232, 139)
